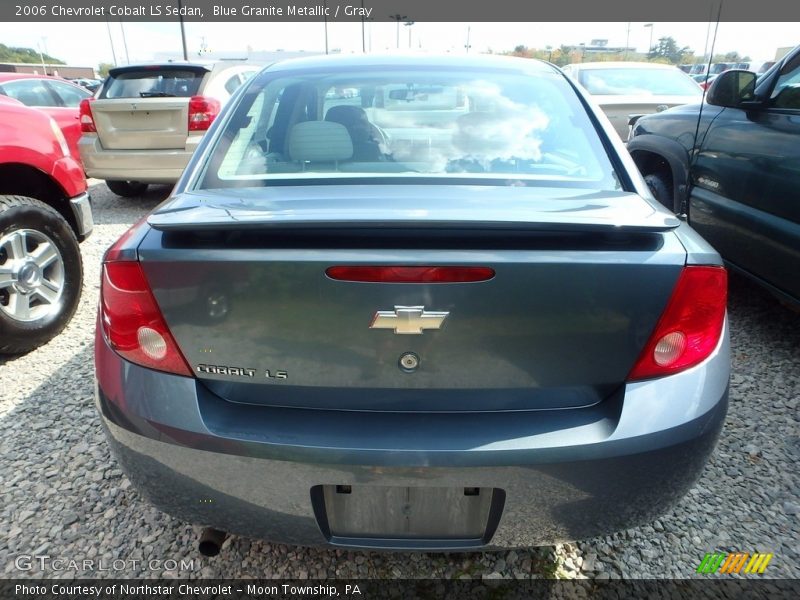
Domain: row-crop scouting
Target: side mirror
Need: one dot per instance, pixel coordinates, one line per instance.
(732, 89)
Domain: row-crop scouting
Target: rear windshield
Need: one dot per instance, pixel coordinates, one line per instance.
(153, 83)
(510, 126)
(638, 82)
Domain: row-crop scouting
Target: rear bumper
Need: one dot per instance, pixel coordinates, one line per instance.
(146, 166)
(564, 475)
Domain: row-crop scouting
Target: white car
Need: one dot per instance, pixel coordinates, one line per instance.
(629, 89)
(146, 121)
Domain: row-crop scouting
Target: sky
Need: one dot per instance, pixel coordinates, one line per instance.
(94, 43)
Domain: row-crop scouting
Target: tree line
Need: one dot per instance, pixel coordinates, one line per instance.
(665, 50)
(26, 55)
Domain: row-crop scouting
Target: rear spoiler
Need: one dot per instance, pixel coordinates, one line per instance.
(337, 207)
(172, 66)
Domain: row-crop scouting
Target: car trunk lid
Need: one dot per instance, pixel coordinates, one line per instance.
(580, 279)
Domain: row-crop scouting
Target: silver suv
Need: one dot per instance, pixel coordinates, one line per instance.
(145, 122)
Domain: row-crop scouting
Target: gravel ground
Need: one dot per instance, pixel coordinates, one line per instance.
(64, 497)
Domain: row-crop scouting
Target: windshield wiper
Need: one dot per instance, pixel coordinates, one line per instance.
(156, 95)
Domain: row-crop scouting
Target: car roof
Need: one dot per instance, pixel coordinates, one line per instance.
(15, 76)
(621, 65)
(414, 60)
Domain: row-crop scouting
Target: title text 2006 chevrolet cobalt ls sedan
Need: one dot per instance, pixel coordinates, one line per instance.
(439, 312)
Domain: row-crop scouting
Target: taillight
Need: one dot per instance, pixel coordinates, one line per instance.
(690, 327)
(86, 118)
(417, 274)
(202, 112)
(132, 322)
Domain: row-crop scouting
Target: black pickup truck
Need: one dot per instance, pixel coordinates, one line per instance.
(733, 170)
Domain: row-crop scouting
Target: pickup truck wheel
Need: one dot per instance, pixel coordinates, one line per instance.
(661, 189)
(127, 189)
(41, 273)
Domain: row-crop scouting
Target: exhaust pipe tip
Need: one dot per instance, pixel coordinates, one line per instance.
(211, 541)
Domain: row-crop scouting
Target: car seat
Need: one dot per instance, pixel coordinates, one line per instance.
(366, 141)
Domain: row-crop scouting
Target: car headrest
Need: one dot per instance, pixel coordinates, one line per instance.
(320, 141)
(348, 115)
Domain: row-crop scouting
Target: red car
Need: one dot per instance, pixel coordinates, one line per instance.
(57, 97)
(44, 211)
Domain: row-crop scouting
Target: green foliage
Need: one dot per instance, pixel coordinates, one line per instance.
(729, 58)
(26, 55)
(103, 68)
(667, 50)
(735, 57)
(565, 55)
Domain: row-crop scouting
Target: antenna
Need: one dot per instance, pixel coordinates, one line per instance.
(695, 149)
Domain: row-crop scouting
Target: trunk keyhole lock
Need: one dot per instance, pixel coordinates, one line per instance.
(409, 362)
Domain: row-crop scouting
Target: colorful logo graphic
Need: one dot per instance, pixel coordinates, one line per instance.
(735, 562)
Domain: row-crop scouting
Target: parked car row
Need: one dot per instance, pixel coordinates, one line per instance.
(58, 98)
(732, 167)
(87, 83)
(45, 209)
(703, 68)
(704, 80)
(444, 307)
(278, 307)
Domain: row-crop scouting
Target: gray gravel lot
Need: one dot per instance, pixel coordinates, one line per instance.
(64, 497)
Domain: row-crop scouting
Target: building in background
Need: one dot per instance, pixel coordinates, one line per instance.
(599, 46)
(66, 71)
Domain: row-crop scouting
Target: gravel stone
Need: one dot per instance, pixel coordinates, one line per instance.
(790, 508)
(64, 495)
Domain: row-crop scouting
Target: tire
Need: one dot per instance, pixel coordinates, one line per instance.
(661, 189)
(127, 189)
(39, 287)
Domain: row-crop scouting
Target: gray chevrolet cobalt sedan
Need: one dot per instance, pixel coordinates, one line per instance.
(412, 303)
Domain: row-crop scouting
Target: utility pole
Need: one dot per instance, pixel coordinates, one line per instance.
(409, 24)
(111, 41)
(363, 40)
(325, 20)
(627, 41)
(397, 18)
(183, 31)
(650, 47)
(124, 43)
(467, 45)
(41, 56)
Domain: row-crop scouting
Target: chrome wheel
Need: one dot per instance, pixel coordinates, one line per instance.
(31, 275)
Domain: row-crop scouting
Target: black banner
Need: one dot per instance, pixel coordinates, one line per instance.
(387, 10)
(261, 589)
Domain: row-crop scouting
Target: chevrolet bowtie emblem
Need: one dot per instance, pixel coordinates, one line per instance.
(408, 320)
